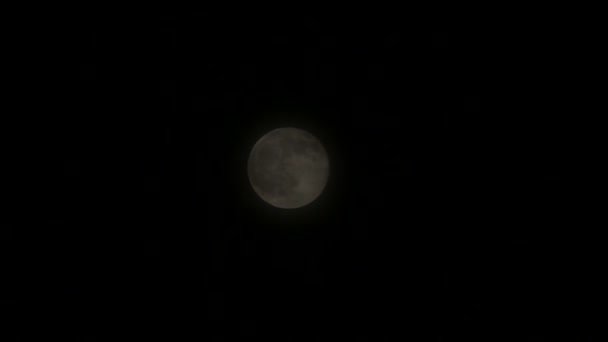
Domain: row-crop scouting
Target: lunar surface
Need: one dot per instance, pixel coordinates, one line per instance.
(288, 168)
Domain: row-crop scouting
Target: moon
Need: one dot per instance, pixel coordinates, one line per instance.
(288, 168)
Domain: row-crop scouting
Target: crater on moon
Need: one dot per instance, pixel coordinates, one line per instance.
(288, 167)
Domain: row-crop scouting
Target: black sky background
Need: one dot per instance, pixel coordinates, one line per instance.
(437, 221)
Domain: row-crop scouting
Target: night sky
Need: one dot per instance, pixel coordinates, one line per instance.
(431, 225)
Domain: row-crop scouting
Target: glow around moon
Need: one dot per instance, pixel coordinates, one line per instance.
(288, 168)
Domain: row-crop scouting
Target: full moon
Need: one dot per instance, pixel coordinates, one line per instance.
(288, 168)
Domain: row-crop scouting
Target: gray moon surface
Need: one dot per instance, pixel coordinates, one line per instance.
(288, 168)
